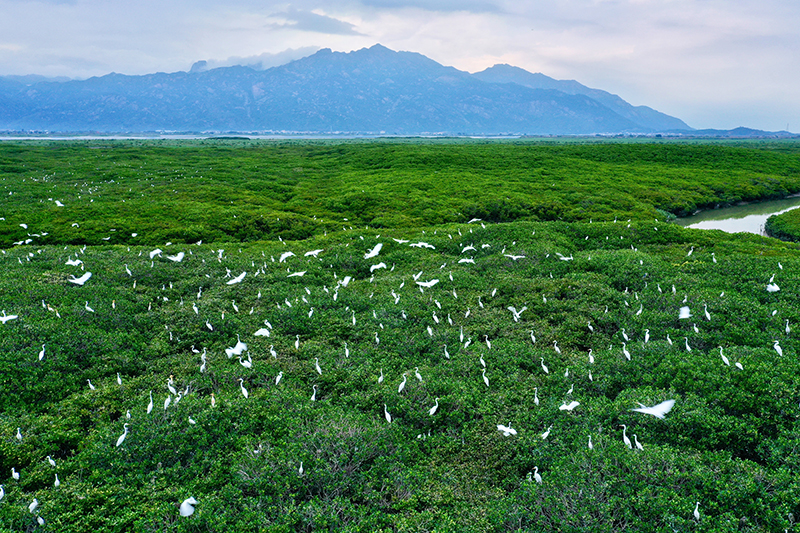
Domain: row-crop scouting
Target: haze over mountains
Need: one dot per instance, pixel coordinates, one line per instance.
(369, 91)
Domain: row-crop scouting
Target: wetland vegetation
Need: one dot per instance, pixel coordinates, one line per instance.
(568, 288)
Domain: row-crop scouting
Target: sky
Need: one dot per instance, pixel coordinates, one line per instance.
(712, 63)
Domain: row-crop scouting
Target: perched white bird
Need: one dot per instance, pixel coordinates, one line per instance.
(187, 506)
(626, 352)
(121, 438)
(658, 410)
(433, 409)
(14, 474)
(402, 385)
(417, 374)
(772, 287)
(314, 394)
(485, 379)
(244, 391)
(685, 312)
(544, 367)
(536, 475)
(41, 353)
(150, 405)
(625, 438)
(777, 347)
(546, 433)
(696, 512)
(386, 414)
(637, 443)
(380, 378)
(33, 505)
(90, 384)
(278, 377)
(316, 366)
(724, 359)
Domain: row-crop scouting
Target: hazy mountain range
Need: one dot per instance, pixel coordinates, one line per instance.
(370, 91)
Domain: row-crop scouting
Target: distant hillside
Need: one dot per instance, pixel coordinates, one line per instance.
(374, 90)
(646, 117)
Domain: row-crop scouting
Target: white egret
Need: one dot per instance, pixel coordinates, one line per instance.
(380, 378)
(686, 342)
(81, 280)
(658, 410)
(278, 377)
(246, 364)
(297, 342)
(316, 366)
(705, 311)
(301, 470)
(591, 357)
(546, 433)
(485, 379)
(536, 475)
(772, 287)
(433, 409)
(187, 506)
(591, 446)
(506, 430)
(90, 384)
(119, 379)
(696, 512)
(386, 414)
(685, 312)
(626, 352)
(777, 347)
(150, 405)
(637, 443)
(237, 279)
(446, 353)
(403, 384)
(51, 461)
(569, 406)
(669, 340)
(14, 474)
(625, 335)
(536, 395)
(375, 251)
(121, 438)
(417, 374)
(625, 438)
(314, 395)
(33, 505)
(724, 359)
(488, 342)
(556, 348)
(41, 353)
(167, 401)
(544, 367)
(244, 391)
(788, 330)
(19, 434)
(2, 492)
(591, 328)
(646, 336)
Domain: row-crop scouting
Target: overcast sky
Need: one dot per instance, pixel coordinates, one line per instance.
(712, 63)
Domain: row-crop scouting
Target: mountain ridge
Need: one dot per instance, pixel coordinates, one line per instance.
(372, 90)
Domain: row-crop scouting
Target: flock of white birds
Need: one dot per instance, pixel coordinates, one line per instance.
(448, 314)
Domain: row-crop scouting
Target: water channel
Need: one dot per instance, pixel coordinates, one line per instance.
(748, 218)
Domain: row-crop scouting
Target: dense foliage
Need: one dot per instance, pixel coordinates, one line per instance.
(148, 319)
(785, 226)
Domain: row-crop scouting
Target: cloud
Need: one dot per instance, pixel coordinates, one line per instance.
(295, 19)
(258, 62)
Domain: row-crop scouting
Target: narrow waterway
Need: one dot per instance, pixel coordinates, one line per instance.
(748, 218)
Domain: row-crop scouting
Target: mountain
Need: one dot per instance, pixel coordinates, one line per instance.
(372, 90)
(646, 117)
